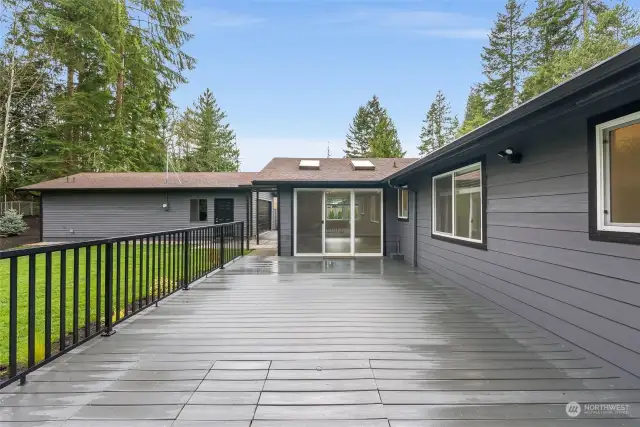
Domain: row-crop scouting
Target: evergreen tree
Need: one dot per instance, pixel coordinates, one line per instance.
(582, 13)
(372, 133)
(112, 65)
(505, 60)
(385, 142)
(615, 29)
(209, 142)
(475, 114)
(439, 126)
(551, 30)
(359, 134)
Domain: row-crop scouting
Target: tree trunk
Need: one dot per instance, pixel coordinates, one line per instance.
(7, 112)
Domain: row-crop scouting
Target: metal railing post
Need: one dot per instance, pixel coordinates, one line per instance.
(242, 238)
(185, 269)
(222, 246)
(108, 291)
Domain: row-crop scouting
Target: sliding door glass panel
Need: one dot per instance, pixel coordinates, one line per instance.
(368, 225)
(468, 204)
(337, 222)
(443, 205)
(309, 222)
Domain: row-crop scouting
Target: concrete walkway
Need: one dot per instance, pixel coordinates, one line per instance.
(319, 343)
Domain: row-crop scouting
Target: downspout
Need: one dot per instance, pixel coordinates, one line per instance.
(415, 219)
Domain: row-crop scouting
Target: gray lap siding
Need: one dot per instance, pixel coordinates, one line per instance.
(79, 215)
(539, 261)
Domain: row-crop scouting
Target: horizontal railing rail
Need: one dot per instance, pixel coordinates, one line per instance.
(54, 298)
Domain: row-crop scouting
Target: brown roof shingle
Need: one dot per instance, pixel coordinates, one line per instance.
(145, 180)
(285, 169)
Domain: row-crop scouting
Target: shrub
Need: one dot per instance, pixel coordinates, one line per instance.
(12, 224)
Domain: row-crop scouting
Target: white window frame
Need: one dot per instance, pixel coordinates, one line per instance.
(402, 191)
(603, 173)
(453, 204)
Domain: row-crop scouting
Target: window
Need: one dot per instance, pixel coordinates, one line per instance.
(403, 203)
(458, 204)
(198, 211)
(618, 177)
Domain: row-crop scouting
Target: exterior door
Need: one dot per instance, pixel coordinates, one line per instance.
(223, 211)
(338, 222)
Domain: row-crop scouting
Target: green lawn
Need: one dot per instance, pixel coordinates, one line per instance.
(160, 281)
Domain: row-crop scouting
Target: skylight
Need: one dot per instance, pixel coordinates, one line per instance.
(362, 165)
(309, 164)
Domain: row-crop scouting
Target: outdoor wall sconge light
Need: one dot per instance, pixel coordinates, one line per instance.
(510, 155)
(165, 206)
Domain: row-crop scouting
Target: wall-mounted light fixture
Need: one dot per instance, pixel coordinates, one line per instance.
(165, 206)
(510, 155)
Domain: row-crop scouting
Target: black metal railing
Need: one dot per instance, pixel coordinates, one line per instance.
(54, 298)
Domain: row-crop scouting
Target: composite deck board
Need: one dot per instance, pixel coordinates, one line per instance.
(283, 342)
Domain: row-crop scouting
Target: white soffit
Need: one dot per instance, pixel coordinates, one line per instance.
(309, 164)
(362, 165)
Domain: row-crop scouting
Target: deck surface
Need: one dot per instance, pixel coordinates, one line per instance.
(321, 343)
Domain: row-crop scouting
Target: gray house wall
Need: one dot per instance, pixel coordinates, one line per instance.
(539, 261)
(72, 216)
(407, 231)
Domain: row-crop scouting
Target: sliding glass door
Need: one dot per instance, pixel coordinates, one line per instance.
(368, 222)
(309, 224)
(338, 222)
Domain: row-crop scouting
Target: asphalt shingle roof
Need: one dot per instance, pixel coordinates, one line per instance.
(285, 169)
(145, 180)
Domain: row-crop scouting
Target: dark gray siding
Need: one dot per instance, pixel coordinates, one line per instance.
(285, 205)
(540, 262)
(391, 224)
(406, 231)
(91, 215)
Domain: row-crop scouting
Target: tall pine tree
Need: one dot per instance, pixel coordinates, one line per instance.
(505, 60)
(372, 133)
(439, 126)
(615, 29)
(209, 142)
(359, 134)
(385, 142)
(475, 114)
(551, 32)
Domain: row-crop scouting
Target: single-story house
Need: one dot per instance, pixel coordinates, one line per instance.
(97, 205)
(334, 206)
(539, 211)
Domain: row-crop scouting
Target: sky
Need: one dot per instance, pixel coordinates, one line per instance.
(291, 74)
